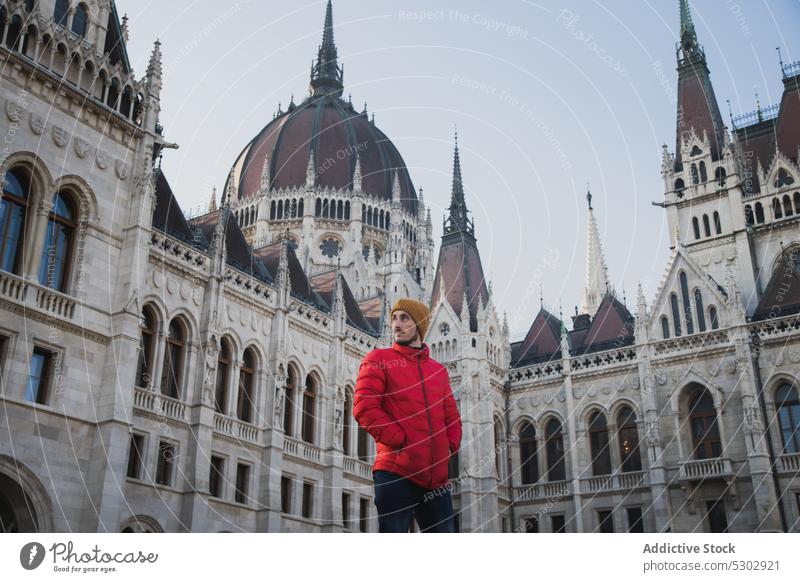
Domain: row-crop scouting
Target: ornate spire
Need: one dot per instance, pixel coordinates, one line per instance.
(596, 285)
(212, 204)
(327, 77)
(458, 220)
(689, 43)
(265, 181)
(154, 70)
(311, 169)
(396, 189)
(357, 178)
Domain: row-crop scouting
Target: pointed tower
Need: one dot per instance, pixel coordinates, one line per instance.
(596, 285)
(327, 77)
(697, 104)
(459, 269)
(152, 87)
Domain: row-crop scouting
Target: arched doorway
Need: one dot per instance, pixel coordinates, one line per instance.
(17, 513)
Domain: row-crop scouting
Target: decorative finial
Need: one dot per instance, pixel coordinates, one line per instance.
(588, 196)
(758, 104)
(780, 58)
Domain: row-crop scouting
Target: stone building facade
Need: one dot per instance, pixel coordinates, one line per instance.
(170, 373)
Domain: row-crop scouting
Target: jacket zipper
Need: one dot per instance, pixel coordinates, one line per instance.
(430, 425)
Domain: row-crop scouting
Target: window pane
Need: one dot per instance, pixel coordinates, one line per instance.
(12, 223)
(35, 389)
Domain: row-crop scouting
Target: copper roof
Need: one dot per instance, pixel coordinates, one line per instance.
(336, 133)
(324, 283)
(612, 326)
(782, 295)
(541, 343)
(168, 216)
(460, 267)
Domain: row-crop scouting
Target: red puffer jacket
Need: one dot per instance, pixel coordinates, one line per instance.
(403, 399)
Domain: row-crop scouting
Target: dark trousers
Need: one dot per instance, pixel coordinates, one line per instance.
(399, 500)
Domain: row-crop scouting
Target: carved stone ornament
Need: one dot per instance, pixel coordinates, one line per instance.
(102, 159)
(81, 147)
(60, 136)
(13, 110)
(37, 124)
(122, 169)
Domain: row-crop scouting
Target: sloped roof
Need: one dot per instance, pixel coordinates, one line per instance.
(460, 267)
(324, 284)
(782, 295)
(238, 251)
(372, 309)
(168, 216)
(541, 343)
(270, 256)
(612, 326)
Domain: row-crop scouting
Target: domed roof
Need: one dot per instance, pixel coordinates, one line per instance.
(329, 129)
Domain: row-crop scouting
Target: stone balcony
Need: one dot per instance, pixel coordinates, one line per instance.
(702, 469)
(236, 429)
(302, 450)
(358, 468)
(542, 491)
(159, 404)
(30, 294)
(614, 482)
(789, 463)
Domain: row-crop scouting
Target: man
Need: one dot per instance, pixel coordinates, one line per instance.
(403, 399)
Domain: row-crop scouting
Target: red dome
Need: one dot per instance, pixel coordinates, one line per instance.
(336, 133)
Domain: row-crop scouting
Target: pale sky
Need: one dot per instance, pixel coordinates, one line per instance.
(547, 96)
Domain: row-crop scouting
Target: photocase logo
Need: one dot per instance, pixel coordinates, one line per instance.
(31, 555)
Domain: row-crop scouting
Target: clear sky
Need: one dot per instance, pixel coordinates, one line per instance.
(546, 95)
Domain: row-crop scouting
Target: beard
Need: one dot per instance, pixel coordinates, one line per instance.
(409, 342)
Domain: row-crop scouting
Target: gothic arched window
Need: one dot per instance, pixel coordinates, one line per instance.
(676, 313)
(309, 409)
(687, 306)
(696, 228)
(598, 442)
(171, 373)
(719, 176)
(717, 223)
(288, 409)
(527, 454)
(555, 451)
(223, 373)
(13, 214)
(665, 326)
(79, 20)
(60, 12)
(698, 303)
(712, 316)
(246, 399)
(499, 449)
(56, 254)
(706, 225)
(777, 212)
(703, 173)
(759, 213)
(348, 423)
(706, 443)
(788, 408)
(144, 369)
(628, 436)
(787, 205)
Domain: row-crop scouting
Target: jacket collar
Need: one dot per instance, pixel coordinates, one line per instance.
(422, 353)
